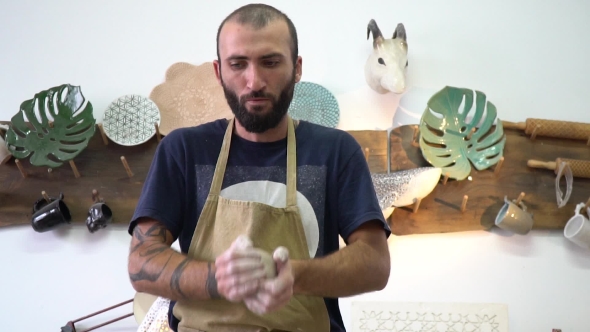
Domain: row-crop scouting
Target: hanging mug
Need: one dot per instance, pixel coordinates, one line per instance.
(514, 218)
(48, 216)
(42, 202)
(99, 216)
(577, 228)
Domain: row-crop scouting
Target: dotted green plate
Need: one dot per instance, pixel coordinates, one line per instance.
(314, 103)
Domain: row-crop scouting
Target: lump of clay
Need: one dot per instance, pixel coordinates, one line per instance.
(269, 264)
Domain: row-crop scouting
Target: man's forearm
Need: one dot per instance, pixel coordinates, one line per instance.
(355, 269)
(157, 269)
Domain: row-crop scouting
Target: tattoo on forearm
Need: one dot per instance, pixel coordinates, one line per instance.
(175, 279)
(211, 283)
(156, 233)
(143, 274)
(143, 248)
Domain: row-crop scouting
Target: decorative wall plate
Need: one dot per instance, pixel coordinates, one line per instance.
(130, 120)
(189, 96)
(59, 123)
(314, 103)
(448, 140)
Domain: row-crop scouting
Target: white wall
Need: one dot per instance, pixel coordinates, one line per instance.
(529, 57)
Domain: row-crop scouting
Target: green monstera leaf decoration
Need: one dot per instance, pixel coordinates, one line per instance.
(448, 140)
(51, 143)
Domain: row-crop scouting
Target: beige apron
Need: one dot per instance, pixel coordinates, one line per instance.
(221, 222)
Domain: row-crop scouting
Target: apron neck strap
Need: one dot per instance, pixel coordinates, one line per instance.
(222, 160)
(291, 163)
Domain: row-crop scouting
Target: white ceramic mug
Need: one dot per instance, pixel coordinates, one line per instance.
(513, 218)
(5, 155)
(577, 228)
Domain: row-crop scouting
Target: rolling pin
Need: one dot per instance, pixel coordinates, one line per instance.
(552, 128)
(580, 168)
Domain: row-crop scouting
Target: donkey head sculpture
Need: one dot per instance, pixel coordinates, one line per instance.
(385, 69)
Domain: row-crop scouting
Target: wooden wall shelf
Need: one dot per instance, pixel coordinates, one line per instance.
(440, 212)
(101, 168)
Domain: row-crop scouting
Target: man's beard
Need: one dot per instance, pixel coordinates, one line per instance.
(255, 123)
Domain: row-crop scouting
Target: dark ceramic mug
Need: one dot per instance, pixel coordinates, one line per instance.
(42, 202)
(50, 215)
(99, 215)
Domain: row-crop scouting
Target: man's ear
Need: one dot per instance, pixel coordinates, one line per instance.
(217, 67)
(298, 69)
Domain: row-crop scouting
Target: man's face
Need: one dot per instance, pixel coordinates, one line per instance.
(257, 73)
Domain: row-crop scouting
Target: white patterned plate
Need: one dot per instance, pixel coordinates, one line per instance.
(130, 120)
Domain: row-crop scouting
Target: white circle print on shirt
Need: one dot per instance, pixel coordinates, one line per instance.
(275, 195)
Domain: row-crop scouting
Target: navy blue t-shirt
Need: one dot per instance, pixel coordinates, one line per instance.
(335, 190)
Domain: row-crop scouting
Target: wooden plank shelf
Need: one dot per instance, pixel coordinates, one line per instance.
(376, 143)
(101, 168)
(440, 212)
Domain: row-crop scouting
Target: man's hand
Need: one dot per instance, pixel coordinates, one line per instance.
(239, 272)
(274, 293)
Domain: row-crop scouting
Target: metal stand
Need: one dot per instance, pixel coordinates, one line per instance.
(70, 327)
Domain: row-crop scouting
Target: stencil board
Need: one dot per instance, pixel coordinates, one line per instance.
(428, 317)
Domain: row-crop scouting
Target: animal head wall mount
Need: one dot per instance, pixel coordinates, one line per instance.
(385, 69)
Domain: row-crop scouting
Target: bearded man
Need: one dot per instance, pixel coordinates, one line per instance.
(260, 187)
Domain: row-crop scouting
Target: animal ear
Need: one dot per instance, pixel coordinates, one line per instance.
(400, 32)
(377, 36)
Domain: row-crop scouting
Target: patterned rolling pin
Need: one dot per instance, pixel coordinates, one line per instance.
(580, 168)
(552, 128)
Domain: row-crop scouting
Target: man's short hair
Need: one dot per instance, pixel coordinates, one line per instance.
(258, 16)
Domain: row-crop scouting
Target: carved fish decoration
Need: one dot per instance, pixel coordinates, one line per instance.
(401, 188)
